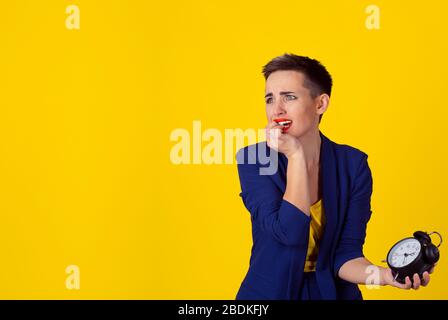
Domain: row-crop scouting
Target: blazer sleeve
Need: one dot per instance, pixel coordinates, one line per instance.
(269, 211)
(350, 245)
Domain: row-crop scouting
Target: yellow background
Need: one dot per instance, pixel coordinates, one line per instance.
(86, 177)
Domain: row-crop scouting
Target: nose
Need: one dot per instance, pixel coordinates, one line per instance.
(279, 109)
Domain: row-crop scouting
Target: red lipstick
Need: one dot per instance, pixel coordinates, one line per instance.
(285, 123)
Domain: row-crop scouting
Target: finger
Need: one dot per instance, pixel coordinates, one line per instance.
(275, 133)
(400, 285)
(397, 284)
(273, 138)
(272, 130)
(417, 281)
(408, 283)
(268, 132)
(274, 124)
(426, 279)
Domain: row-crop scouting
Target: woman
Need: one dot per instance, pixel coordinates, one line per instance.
(309, 218)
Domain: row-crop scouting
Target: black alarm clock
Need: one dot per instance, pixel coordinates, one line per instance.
(412, 255)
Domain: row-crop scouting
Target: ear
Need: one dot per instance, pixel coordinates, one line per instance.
(322, 103)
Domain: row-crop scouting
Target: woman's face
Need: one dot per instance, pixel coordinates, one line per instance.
(287, 97)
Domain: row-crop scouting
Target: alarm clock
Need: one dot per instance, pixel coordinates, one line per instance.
(412, 255)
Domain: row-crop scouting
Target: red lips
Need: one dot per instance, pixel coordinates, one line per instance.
(286, 123)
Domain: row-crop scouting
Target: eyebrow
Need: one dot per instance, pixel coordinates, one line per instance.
(282, 93)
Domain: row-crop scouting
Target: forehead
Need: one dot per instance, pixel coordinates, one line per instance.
(285, 80)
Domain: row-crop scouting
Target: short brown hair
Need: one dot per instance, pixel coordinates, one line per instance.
(317, 79)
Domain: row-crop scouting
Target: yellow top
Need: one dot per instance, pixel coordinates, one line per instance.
(316, 230)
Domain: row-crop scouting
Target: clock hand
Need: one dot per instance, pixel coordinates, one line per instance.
(408, 254)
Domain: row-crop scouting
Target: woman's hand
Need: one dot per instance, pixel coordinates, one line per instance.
(282, 142)
(388, 279)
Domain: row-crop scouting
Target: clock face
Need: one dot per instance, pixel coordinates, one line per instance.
(404, 252)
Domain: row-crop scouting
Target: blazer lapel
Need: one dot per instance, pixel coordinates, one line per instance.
(330, 195)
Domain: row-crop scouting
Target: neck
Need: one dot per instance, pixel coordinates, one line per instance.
(311, 143)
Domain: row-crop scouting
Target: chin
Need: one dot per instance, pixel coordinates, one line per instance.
(297, 134)
(303, 132)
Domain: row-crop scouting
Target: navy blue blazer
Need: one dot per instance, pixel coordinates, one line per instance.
(280, 230)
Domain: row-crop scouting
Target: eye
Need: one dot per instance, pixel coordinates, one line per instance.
(268, 100)
(290, 97)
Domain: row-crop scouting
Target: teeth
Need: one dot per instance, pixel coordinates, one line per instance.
(284, 123)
